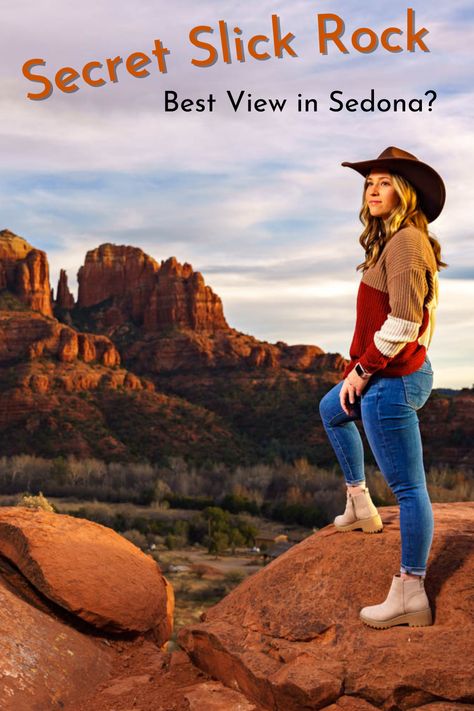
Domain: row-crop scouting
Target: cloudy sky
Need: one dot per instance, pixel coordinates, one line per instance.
(256, 201)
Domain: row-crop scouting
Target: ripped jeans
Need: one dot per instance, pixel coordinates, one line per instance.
(387, 408)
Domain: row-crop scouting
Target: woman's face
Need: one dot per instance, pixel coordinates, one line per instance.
(380, 195)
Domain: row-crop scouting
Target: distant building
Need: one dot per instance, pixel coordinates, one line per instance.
(273, 551)
(270, 540)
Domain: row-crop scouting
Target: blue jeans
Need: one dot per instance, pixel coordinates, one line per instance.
(387, 408)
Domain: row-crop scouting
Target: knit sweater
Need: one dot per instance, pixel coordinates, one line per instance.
(396, 307)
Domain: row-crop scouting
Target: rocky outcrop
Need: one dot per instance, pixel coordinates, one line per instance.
(117, 271)
(88, 570)
(145, 678)
(181, 299)
(64, 298)
(51, 659)
(24, 271)
(154, 297)
(286, 638)
(26, 335)
(164, 318)
(44, 663)
(290, 638)
(191, 351)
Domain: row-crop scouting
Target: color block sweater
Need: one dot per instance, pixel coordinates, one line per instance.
(396, 307)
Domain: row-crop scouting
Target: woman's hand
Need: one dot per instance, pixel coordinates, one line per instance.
(351, 388)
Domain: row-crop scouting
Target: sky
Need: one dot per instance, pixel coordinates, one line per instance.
(256, 201)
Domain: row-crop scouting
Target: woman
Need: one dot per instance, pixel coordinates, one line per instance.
(389, 376)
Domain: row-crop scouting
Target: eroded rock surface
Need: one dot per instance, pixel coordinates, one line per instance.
(89, 570)
(64, 298)
(44, 663)
(24, 271)
(154, 296)
(290, 637)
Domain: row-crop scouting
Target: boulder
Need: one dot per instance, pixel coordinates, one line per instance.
(89, 570)
(290, 637)
(44, 663)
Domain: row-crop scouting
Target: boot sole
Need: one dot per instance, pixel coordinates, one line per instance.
(423, 618)
(367, 525)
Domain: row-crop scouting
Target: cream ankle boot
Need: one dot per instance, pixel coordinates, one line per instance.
(406, 603)
(360, 513)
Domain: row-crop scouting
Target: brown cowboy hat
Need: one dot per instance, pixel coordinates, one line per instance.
(426, 181)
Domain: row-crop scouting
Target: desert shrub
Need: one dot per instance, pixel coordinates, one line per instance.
(173, 542)
(137, 538)
(35, 502)
(200, 570)
(234, 577)
(446, 485)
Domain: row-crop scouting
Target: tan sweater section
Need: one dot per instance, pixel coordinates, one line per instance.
(396, 306)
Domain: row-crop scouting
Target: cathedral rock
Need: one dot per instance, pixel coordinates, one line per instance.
(154, 296)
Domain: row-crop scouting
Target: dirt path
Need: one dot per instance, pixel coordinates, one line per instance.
(244, 564)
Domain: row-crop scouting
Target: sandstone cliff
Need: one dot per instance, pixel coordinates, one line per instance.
(24, 271)
(165, 319)
(152, 296)
(64, 298)
(27, 335)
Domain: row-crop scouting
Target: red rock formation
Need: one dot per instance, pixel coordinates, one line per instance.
(88, 569)
(44, 663)
(181, 299)
(154, 296)
(180, 320)
(119, 271)
(68, 349)
(86, 347)
(289, 636)
(188, 350)
(64, 298)
(25, 272)
(25, 335)
(146, 678)
(48, 661)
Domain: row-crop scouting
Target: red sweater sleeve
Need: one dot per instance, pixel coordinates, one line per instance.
(407, 288)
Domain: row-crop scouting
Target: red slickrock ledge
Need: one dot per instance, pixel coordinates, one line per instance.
(289, 637)
(43, 662)
(89, 570)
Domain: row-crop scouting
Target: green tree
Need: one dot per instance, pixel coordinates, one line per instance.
(217, 519)
(236, 539)
(218, 542)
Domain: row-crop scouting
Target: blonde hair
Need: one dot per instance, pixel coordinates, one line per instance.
(408, 212)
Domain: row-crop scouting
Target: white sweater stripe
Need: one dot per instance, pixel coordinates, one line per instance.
(394, 334)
